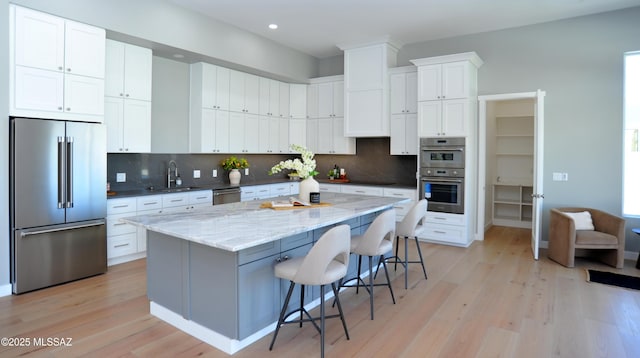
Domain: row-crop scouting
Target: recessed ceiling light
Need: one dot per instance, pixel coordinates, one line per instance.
(273, 26)
(178, 55)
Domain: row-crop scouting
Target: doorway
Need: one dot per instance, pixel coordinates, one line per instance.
(510, 149)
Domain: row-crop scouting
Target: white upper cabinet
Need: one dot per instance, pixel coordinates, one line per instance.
(48, 56)
(297, 101)
(128, 71)
(244, 133)
(325, 131)
(214, 85)
(209, 109)
(450, 118)
(128, 97)
(448, 77)
(244, 92)
(284, 91)
(273, 98)
(366, 87)
(84, 50)
(404, 106)
(331, 99)
(403, 92)
(39, 40)
(404, 134)
(312, 100)
(447, 91)
(128, 123)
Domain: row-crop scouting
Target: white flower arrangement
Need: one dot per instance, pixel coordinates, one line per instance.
(305, 168)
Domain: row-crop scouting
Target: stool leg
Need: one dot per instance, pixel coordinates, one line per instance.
(282, 313)
(344, 323)
(301, 304)
(421, 260)
(358, 279)
(386, 273)
(406, 264)
(371, 282)
(395, 266)
(322, 320)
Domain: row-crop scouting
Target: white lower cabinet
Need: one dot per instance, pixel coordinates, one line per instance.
(444, 228)
(126, 242)
(361, 190)
(263, 191)
(403, 208)
(329, 188)
(121, 237)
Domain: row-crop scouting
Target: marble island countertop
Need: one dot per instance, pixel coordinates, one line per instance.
(238, 226)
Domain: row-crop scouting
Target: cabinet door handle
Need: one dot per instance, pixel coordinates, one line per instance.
(121, 245)
(120, 206)
(151, 203)
(439, 232)
(119, 224)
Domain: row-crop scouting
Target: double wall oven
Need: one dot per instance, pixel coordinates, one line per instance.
(442, 173)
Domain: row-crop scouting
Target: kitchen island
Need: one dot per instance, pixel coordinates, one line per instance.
(210, 271)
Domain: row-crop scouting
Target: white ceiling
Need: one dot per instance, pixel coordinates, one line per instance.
(316, 26)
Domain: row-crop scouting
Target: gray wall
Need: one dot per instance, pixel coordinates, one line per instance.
(162, 22)
(4, 143)
(579, 63)
(170, 107)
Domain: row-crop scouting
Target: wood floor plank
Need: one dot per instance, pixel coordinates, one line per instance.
(491, 299)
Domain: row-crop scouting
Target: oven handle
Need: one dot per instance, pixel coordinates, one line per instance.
(445, 149)
(441, 180)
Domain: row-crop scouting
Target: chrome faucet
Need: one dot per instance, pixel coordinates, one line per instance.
(175, 172)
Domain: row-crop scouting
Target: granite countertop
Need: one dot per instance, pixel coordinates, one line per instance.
(237, 226)
(162, 190)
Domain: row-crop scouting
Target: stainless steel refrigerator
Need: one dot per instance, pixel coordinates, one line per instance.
(58, 202)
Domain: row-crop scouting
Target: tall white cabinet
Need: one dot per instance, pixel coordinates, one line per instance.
(209, 108)
(403, 104)
(128, 98)
(57, 67)
(447, 107)
(325, 126)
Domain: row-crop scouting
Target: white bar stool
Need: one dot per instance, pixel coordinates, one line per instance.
(326, 263)
(406, 229)
(376, 241)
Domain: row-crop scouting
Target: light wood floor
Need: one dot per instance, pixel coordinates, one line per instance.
(489, 300)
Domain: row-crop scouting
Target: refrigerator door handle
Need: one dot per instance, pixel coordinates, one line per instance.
(61, 174)
(69, 184)
(46, 231)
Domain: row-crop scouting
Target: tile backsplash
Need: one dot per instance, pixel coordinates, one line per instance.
(372, 163)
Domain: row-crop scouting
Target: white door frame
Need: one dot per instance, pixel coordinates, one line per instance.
(482, 165)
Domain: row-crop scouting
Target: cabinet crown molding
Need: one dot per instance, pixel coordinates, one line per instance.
(465, 56)
(326, 79)
(386, 40)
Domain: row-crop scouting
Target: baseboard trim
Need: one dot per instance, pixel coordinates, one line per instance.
(5, 290)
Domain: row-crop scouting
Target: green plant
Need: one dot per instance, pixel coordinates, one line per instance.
(234, 163)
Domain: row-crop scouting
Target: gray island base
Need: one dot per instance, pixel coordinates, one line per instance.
(210, 271)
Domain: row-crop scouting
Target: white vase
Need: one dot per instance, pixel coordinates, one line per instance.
(234, 177)
(307, 186)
